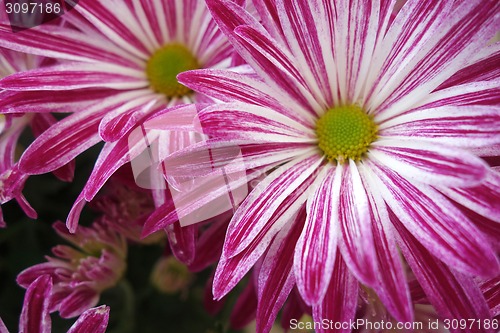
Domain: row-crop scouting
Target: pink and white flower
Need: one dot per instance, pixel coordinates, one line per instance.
(81, 272)
(35, 315)
(122, 55)
(370, 130)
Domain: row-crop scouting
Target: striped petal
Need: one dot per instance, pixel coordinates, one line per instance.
(437, 224)
(354, 215)
(340, 302)
(76, 76)
(316, 248)
(229, 86)
(35, 315)
(276, 278)
(430, 163)
(391, 288)
(93, 320)
(238, 121)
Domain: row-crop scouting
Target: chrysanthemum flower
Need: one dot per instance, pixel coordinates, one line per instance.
(126, 55)
(81, 272)
(367, 126)
(35, 315)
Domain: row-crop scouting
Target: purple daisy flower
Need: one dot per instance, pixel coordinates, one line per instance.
(124, 57)
(96, 261)
(369, 127)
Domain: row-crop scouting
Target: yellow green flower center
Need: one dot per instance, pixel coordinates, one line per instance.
(164, 65)
(345, 132)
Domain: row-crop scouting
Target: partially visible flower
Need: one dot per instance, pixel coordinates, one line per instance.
(129, 55)
(170, 276)
(35, 315)
(81, 272)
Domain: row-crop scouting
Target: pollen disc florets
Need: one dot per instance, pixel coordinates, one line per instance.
(345, 132)
(164, 65)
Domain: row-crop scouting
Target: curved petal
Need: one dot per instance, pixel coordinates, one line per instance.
(392, 288)
(354, 215)
(317, 246)
(35, 315)
(467, 126)
(93, 320)
(276, 278)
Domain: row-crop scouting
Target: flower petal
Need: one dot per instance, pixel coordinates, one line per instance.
(316, 248)
(354, 215)
(76, 76)
(276, 278)
(468, 126)
(392, 288)
(93, 320)
(239, 121)
(340, 302)
(35, 315)
(430, 163)
(231, 270)
(78, 302)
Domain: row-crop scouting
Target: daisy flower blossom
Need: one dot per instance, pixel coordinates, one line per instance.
(124, 57)
(370, 127)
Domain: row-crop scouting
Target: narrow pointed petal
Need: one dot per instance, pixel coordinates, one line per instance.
(392, 288)
(93, 320)
(62, 142)
(229, 86)
(467, 126)
(438, 224)
(431, 163)
(239, 121)
(182, 241)
(44, 102)
(454, 295)
(276, 278)
(76, 76)
(317, 246)
(340, 302)
(35, 317)
(354, 215)
(52, 41)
